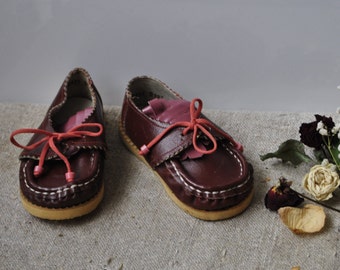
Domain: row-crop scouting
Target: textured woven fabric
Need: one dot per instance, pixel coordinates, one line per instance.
(138, 227)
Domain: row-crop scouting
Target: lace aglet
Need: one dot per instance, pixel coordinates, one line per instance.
(239, 147)
(38, 170)
(144, 150)
(69, 176)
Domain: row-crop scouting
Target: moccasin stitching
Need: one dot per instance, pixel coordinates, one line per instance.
(235, 156)
(58, 190)
(208, 194)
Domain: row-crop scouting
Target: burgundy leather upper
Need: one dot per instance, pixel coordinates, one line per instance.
(211, 182)
(85, 154)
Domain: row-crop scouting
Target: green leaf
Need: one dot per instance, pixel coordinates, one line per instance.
(335, 152)
(319, 155)
(289, 151)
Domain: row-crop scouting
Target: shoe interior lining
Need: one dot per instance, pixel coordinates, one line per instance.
(78, 98)
(145, 89)
(76, 85)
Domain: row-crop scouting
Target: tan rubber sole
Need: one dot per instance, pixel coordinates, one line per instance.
(63, 213)
(197, 213)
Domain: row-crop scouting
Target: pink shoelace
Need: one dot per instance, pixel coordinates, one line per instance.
(49, 142)
(196, 124)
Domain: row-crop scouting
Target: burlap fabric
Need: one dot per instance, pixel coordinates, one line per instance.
(138, 227)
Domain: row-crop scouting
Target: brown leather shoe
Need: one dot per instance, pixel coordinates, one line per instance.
(201, 167)
(62, 165)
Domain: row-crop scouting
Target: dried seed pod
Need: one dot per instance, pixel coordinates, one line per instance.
(309, 219)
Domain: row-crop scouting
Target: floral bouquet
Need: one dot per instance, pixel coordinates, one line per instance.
(323, 136)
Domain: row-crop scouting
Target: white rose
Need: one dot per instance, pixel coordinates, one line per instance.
(321, 181)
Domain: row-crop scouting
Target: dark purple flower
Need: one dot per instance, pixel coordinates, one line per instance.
(327, 121)
(310, 136)
(282, 195)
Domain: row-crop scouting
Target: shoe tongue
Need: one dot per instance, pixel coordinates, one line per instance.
(172, 111)
(76, 119)
(168, 111)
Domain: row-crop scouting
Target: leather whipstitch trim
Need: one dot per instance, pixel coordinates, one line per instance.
(63, 189)
(95, 147)
(208, 194)
(64, 87)
(143, 77)
(171, 155)
(185, 146)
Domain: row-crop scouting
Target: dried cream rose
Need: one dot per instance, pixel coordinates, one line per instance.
(322, 180)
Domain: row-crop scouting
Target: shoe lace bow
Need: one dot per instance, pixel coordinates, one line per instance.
(49, 141)
(196, 125)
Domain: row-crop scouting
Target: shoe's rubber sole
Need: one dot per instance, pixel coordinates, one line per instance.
(198, 213)
(63, 213)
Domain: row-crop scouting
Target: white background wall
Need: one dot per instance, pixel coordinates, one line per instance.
(236, 55)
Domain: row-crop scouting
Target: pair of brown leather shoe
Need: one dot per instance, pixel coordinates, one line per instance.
(200, 166)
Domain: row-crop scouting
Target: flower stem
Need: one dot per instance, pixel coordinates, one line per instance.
(323, 204)
(329, 146)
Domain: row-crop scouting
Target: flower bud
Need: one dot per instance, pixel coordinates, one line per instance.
(281, 195)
